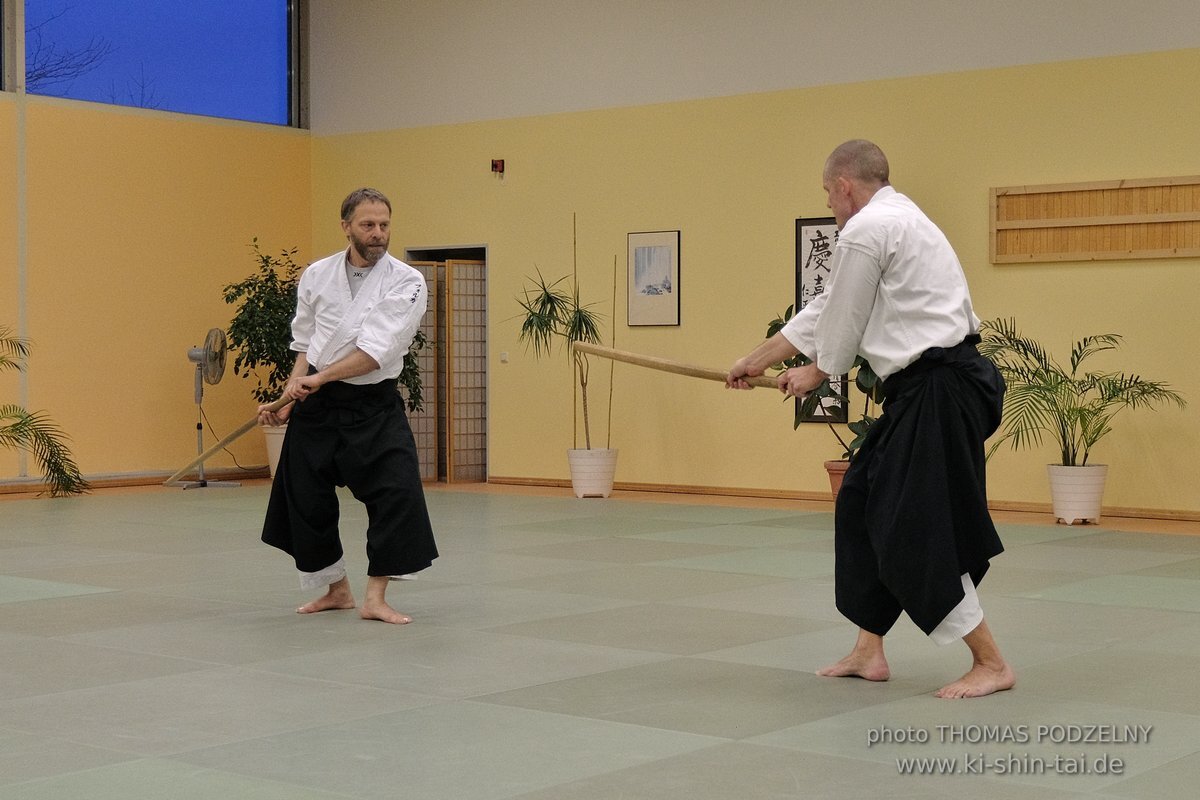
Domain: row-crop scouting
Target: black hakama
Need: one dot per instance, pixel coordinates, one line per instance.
(357, 437)
(911, 516)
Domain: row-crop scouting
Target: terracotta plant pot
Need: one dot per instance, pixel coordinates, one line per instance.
(837, 471)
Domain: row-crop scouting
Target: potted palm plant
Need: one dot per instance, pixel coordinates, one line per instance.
(34, 432)
(553, 312)
(261, 335)
(1075, 408)
(813, 406)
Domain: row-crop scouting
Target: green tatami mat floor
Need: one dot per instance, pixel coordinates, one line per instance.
(569, 649)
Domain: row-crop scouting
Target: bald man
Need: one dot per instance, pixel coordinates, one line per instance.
(912, 528)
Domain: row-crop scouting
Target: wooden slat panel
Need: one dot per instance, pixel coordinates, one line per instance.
(1105, 220)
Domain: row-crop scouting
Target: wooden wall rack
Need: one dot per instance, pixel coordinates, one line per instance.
(1123, 219)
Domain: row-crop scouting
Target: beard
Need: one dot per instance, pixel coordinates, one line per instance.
(369, 251)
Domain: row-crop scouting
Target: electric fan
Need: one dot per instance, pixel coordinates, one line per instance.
(210, 367)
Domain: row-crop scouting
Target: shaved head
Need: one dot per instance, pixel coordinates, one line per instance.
(860, 161)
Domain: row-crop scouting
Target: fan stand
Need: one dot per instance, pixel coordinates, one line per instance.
(210, 366)
(201, 482)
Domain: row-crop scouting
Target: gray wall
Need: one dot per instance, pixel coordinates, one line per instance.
(386, 64)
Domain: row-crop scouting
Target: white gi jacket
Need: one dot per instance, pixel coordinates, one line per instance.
(896, 288)
(381, 319)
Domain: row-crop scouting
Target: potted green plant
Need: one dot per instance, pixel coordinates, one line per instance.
(552, 312)
(810, 408)
(260, 332)
(34, 432)
(1075, 408)
(410, 382)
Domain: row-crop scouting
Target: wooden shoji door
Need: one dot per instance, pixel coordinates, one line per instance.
(451, 431)
(466, 371)
(424, 423)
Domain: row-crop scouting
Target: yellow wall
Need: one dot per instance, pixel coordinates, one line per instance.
(9, 385)
(135, 221)
(732, 175)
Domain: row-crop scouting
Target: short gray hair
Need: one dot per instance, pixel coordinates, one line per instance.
(858, 160)
(360, 196)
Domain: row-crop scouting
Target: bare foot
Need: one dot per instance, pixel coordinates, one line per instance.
(338, 597)
(869, 666)
(980, 681)
(377, 609)
(989, 672)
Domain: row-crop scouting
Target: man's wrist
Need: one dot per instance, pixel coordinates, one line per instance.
(757, 365)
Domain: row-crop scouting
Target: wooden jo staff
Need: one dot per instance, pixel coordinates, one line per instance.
(666, 365)
(652, 362)
(250, 423)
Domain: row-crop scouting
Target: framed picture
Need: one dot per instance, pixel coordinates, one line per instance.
(654, 278)
(815, 238)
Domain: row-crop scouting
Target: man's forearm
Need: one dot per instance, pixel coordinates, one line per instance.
(771, 351)
(351, 366)
(300, 368)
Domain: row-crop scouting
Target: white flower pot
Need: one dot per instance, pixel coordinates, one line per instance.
(274, 444)
(1076, 492)
(592, 471)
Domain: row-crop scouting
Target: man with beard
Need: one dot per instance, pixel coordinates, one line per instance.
(356, 314)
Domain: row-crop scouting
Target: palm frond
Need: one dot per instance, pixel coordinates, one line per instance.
(1134, 392)
(547, 312)
(13, 349)
(1090, 345)
(1005, 346)
(1026, 416)
(553, 312)
(582, 325)
(46, 442)
(1043, 399)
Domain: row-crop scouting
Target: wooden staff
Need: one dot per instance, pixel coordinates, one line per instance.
(250, 423)
(666, 365)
